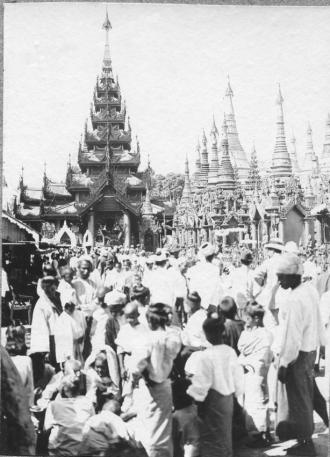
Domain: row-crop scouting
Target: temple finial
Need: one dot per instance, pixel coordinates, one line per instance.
(107, 26)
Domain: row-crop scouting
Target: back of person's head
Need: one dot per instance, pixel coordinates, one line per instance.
(71, 366)
(179, 393)
(141, 294)
(113, 406)
(157, 315)
(69, 387)
(213, 328)
(228, 307)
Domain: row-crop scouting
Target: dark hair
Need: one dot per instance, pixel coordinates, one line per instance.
(49, 269)
(140, 293)
(209, 258)
(253, 309)
(232, 311)
(194, 297)
(214, 327)
(157, 315)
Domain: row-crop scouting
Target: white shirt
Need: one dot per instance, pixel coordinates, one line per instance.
(129, 337)
(241, 279)
(161, 287)
(66, 418)
(302, 328)
(193, 334)
(86, 294)
(217, 368)
(156, 354)
(100, 319)
(204, 278)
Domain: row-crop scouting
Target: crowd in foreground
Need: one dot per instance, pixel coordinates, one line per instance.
(168, 354)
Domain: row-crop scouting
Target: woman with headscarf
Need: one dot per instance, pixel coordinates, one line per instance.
(152, 362)
(103, 376)
(46, 312)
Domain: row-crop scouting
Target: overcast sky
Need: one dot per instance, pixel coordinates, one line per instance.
(172, 62)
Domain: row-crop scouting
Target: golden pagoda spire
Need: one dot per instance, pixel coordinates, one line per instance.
(186, 193)
(213, 175)
(226, 171)
(205, 160)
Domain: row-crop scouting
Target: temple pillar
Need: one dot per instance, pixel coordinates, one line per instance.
(281, 230)
(306, 231)
(127, 229)
(91, 226)
(254, 234)
(318, 231)
(224, 240)
(240, 237)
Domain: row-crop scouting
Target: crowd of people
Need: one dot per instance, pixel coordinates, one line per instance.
(168, 353)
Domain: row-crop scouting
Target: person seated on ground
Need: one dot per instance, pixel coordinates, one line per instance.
(185, 430)
(116, 302)
(102, 369)
(65, 418)
(233, 325)
(70, 368)
(17, 349)
(106, 431)
(255, 357)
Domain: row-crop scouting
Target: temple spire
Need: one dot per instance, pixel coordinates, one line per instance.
(186, 193)
(254, 181)
(147, 207)
(281, 163)
(213, 175)
(205, 160)
(197, 174)
(226, 171)
(235, 148)
(310, 159)
(107, 26)
(293, 155)
(325, 157)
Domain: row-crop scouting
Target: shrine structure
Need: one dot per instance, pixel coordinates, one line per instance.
(104, 198)
(229, 201)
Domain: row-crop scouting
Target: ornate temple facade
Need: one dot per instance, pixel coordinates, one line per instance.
(105, 198)
(228, 200)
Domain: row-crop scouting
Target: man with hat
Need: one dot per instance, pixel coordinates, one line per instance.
(302, 333)
(266, 277)
(204, 278)
(160, 283)
(116, 302)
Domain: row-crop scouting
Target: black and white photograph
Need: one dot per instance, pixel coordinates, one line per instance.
(165, 230)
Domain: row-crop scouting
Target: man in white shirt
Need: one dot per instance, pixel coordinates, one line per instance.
(302, 333)
(242, 281)
(160, 283)
(204, 278)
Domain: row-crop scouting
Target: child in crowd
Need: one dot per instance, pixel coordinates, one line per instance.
(233, 325)
(255, 357)
(217, 377)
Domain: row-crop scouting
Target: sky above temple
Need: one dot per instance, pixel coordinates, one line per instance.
(172, 62)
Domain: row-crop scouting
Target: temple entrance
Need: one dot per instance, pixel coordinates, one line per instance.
(109, 229)
(65, 239)
(232, 237)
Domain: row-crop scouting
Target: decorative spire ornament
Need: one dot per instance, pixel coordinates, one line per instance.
(107, 27)
(325, 157)
(226, 171)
